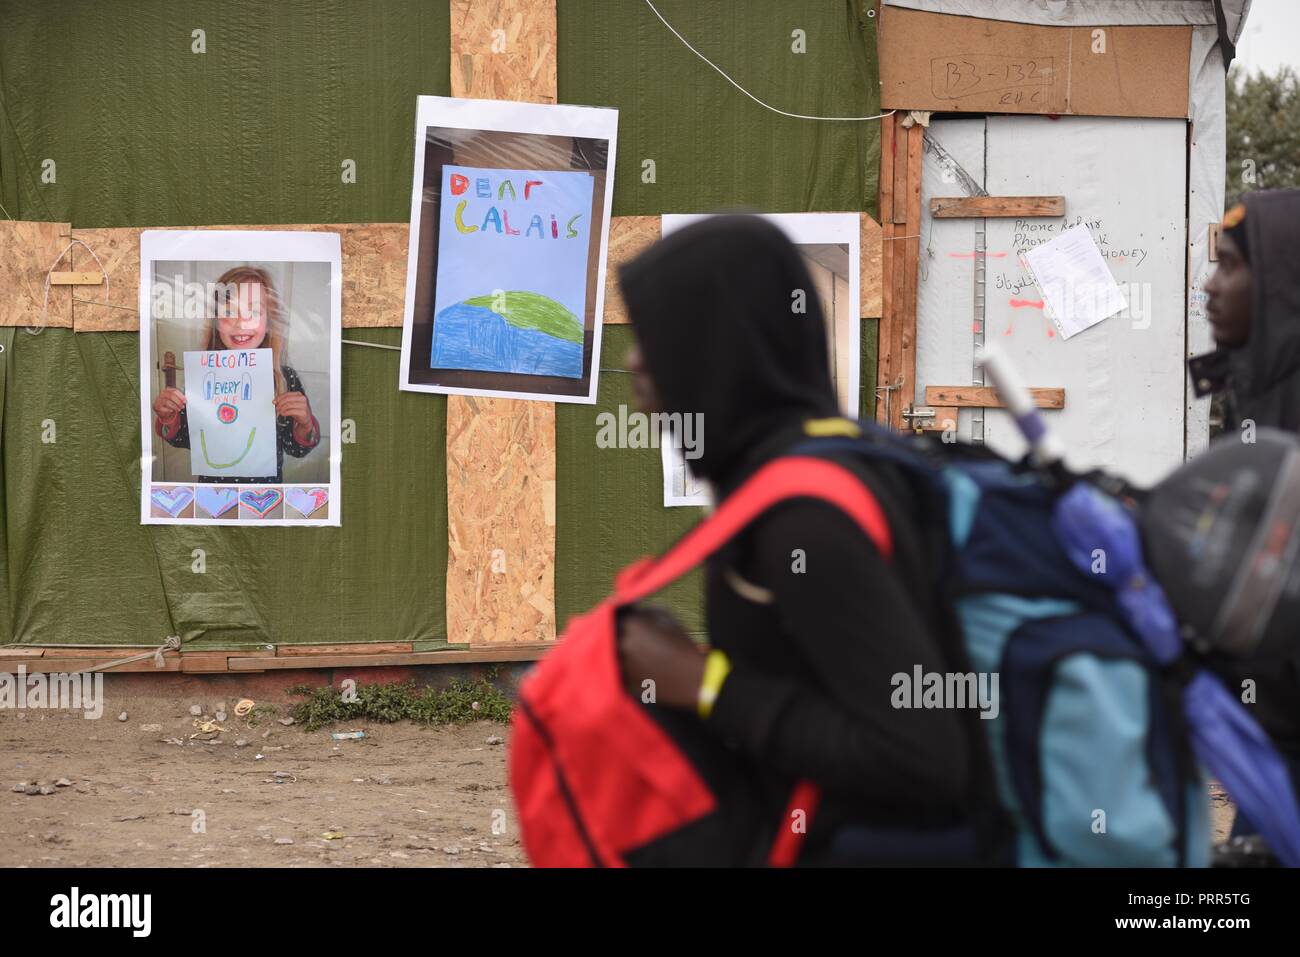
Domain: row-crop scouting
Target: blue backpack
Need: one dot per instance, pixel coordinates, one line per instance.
(1100, 717)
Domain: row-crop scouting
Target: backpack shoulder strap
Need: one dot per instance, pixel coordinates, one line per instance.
(781, 479)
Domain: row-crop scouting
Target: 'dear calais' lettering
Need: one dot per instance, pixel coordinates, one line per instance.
(229, 359)
(496, 218)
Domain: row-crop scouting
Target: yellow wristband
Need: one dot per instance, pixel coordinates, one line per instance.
(716, 668)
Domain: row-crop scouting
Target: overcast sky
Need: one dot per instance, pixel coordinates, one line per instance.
(1272, 37)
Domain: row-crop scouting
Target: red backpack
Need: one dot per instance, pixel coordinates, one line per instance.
(593, 774)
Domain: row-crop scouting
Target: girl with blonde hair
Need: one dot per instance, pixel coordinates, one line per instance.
(247, 314)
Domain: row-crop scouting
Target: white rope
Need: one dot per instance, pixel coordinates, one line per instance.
(45, 302)
(371, 345)
(173, 643)
(108, 305)
(766, 106)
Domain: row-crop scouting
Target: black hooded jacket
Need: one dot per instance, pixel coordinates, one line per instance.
(1262, 377)
(813, 649)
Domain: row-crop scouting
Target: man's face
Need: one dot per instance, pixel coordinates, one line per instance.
(1229, 290)
(647, 396)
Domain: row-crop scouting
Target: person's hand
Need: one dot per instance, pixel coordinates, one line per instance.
(168, 403)
(653, 646)
(294, 405)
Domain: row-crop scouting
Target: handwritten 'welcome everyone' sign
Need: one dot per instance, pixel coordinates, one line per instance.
(229, 402)
(513, 254)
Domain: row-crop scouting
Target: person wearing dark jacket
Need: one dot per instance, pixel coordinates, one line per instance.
(807, 621)
(1254, 312)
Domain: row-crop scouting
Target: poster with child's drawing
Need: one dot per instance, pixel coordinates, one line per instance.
(229, 403)
(505, 280)
(831, 246)
(239, 377)
(512, 271)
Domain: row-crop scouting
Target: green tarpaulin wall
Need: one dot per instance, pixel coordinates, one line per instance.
(711, 148)
(144, 131)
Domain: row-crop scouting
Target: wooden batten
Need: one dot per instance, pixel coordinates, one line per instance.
(355, 648)
(64, 659)
(900, 215)
(985, 207)
(984, 397)
(76, 279)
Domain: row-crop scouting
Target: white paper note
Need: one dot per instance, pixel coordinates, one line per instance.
(680, 486)
(1078, 289)
(229, 402)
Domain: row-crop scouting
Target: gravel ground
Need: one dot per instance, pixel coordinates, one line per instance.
(142, 792)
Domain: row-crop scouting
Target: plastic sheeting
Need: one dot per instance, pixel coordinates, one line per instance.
(145, 131)
(77, 566)
(609, 502)
(148, 122)
(712, 148)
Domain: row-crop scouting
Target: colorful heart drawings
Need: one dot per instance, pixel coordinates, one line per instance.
(216, 501)
(172, 500)
(306, 500)
(261, 500)
(258, 503)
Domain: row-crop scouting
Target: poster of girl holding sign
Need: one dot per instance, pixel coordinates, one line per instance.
(247, 321)
(239, 377)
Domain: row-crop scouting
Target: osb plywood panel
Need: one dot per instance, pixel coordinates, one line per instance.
(27, 251)
(503, 49)
(501, 452)
(115, 305)
(500, 520)
(374, 274)
(629, 236)
(869, 273)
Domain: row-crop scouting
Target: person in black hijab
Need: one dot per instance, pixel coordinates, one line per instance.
(1254, 312)
(807, 621)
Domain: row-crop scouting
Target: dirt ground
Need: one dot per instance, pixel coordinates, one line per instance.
(144, 793)
(405, 796)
